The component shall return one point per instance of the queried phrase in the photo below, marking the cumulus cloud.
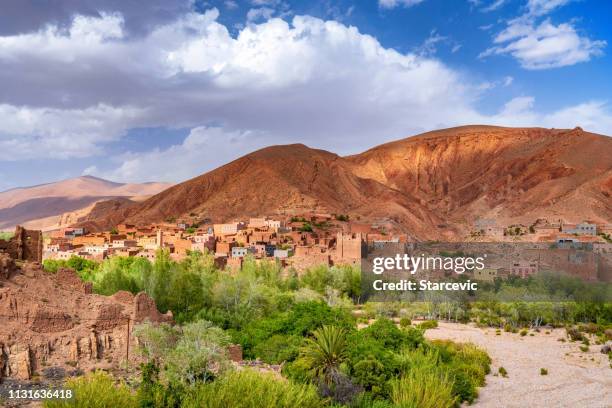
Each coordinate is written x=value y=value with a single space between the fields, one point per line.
x=308 y=80
x=27 y=133
x=317 y=82
x=543 y=45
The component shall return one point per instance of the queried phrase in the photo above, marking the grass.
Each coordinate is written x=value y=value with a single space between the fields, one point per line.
x=249 y=388
x=584 y=348
x=543 y=371
x=503 y=372
x=96 y=390
x=423 y=387
x=428 y=324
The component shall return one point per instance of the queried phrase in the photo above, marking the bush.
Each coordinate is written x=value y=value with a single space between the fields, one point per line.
x=278 y=348
x=574 y=334
x=405 y=322
x=428 y=324
x=248 y=388
x=96 y=390
x=502 y=371
x=523 y=332
x=543 y=371
x=423 y=388
x=584 y=348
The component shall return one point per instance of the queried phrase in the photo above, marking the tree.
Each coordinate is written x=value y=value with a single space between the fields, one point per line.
x=325 y=351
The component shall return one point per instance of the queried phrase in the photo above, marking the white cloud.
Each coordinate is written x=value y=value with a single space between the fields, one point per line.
x=230 y=4
x=200 y=151
x=261 y=13
x=318 y=82
x=390 y=4
x=494 y=6
x=545 y=46
x=430 y=45
x=594 y=116
x=60 y=133
x=543 y=7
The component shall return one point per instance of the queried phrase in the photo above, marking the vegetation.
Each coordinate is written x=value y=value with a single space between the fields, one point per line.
x=307 y=323
x=96 y=390
x=248 y=389
x=424 y=388
x=543 y=371
x=4 y=235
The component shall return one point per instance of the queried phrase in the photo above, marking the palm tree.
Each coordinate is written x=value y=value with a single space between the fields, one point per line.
x=325 y=351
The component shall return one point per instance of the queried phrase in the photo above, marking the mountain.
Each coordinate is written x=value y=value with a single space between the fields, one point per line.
x=508 y=174
x=49 y=206
x=432 y=185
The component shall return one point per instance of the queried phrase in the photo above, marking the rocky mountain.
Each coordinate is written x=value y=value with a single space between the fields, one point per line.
x=49 y=206
x=433 y=185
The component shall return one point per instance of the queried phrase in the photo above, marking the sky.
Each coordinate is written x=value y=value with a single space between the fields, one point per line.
x=166 y=90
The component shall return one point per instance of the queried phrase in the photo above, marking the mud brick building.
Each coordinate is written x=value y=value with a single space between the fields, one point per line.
x=25 y=245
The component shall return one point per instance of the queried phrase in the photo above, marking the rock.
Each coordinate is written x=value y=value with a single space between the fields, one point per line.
x=68 y=277
x=20 y=366
x=53 y=320
x=7 y=266
x=145 y=309
x=54 y=373
x=235 y=352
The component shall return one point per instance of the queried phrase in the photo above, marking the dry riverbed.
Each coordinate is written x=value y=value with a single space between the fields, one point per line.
x=575 y=378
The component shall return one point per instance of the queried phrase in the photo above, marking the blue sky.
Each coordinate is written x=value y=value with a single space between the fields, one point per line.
x=171 y=90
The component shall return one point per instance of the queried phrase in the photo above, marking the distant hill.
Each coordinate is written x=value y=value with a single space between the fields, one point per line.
x=49 y=206
x=433 y=185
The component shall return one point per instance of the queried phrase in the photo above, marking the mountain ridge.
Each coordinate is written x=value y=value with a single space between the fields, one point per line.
x=43 y=206
x=434 y=184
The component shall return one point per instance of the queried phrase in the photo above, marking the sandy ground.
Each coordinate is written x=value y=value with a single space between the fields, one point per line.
x=575 y=378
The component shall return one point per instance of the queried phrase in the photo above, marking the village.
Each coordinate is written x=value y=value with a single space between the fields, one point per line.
x=310 y=240
x=298 y=242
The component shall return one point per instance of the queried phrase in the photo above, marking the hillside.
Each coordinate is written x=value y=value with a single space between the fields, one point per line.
x=508 y=174
x=434 y=185
x=52 y=205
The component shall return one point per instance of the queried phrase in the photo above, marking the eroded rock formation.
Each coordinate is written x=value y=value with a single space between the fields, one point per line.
x=54 y=320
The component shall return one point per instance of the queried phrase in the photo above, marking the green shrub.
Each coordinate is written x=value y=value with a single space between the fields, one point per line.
x=428 y=324
x=523 y=332
x=574 y=334
x=96 y=390
x=502 y=371
x=584 y=348
x=248 y=388
x=278 y=348
x=405 y=322
x=543 y=371
x=463 y=384
x=423 y=388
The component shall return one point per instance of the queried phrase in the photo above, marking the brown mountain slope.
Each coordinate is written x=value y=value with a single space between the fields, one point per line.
x=435 y=183
x=288 y=179
x=45 y=206
x=510 y=174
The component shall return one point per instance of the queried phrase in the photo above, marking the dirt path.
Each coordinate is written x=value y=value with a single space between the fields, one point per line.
x=575 y=378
